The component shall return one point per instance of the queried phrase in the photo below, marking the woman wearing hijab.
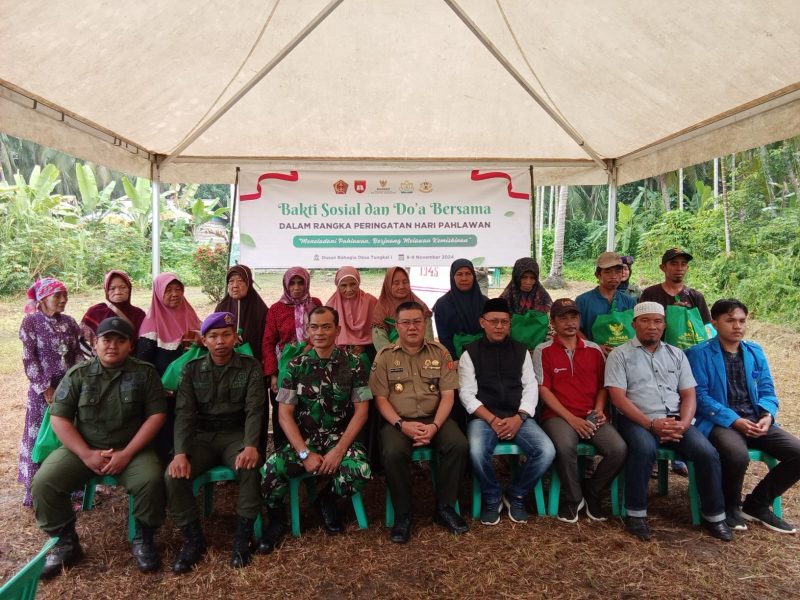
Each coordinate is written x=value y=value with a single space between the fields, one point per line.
x=525 y=292
x=169 y=326
x=118 y=288
x=626 y=287
x=396 y=290
x=242 y=300
x=355 y=307
x=459 y=310
x=286 y=324
x=50 y=347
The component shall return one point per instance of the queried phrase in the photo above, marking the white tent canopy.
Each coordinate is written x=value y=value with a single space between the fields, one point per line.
x=186 y=90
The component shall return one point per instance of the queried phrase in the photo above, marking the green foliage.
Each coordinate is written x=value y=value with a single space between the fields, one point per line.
x=212 y=264
x=140 y=196
x=96 y=204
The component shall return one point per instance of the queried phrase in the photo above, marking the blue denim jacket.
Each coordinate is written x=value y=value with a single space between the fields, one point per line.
x=708 y=368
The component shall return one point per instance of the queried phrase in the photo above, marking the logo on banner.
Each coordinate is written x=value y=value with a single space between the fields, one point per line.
x=360 y=185
x=340 y=187
x=383 y=187
x=406 y=187
x=425 y=187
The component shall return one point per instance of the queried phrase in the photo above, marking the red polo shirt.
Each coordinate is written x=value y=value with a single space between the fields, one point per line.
x=574 y=380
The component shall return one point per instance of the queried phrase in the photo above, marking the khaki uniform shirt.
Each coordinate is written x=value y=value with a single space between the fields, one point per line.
x=215 y=398
x=413 y=382
x=108 y=406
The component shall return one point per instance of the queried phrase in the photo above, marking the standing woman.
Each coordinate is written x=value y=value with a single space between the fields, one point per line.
x=50 y=347
x=242 y=300
x=525 y=292
x=627 y=286
x=118 y=288
x=286 y=324
x=396 y=290
x=459 y=310
x=355 y=307
x=170 y=324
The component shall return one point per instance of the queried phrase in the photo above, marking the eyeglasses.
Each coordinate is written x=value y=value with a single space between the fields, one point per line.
x=498 y=322
x=410 y=322
x=326 y=327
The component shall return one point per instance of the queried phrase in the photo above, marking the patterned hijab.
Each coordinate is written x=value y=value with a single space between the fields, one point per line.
x=167 y=325
x=355 y=314
x=250 y=311
x=302 y=306
x=387 y=303
x=44 y=287
x=521 y=302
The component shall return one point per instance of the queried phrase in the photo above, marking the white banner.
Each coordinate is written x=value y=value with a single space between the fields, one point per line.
x=380 y=219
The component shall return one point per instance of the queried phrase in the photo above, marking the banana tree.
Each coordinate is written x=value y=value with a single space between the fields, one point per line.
x=96 y=204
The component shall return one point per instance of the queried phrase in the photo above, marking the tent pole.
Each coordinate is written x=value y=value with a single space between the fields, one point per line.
x=155 y=229
x=234 y=198
x=612 y=209
x=534 y=214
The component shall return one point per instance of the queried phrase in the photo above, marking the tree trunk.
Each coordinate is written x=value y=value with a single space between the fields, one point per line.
x=725 y=208
x=762 y=153
x=680 y=189
x=662 y=183
x=550 y=210
x=554 y=279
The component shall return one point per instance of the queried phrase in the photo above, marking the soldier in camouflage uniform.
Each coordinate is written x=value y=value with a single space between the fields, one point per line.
x=322 y=388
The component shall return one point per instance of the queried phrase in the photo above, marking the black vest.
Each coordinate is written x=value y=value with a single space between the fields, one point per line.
x=498 y=371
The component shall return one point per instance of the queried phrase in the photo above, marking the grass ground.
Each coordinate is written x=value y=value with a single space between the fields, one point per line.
x=544 y=558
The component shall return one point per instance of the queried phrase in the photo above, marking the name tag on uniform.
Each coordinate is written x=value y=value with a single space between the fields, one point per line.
x=396 y=370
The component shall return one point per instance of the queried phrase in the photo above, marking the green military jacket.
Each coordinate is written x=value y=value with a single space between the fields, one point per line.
x=108 y=406
x=220 y=398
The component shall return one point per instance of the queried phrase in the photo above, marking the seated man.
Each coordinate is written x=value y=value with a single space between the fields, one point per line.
x=322 y=388
x=736 y=409
x=498 y=390
x=219 y=411
x=413 y=382
x=106 y=412
x=570 y=371
x=651 y=384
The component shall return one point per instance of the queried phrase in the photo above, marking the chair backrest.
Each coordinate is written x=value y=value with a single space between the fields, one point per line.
x=22 y=586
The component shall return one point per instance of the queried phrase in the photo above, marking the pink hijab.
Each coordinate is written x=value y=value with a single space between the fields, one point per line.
x=302 y=306
x=355 y=314
x=167 y=325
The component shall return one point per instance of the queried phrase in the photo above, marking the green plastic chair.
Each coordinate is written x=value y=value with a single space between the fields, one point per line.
x=108 y=480
x=584 y=451
x=422 y=453
x=206 y=481
x=294 y=501
x=664 y=455
x=23 y=585
x=506 y=449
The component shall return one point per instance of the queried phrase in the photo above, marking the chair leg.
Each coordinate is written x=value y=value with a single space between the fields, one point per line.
x=131 y=519
x=88 y=495
x=476 y=498
x=358 y=508
x=294 y=505
x=555 y=492
x=663 y=476
x=389 y=509
x=258 y=527
x=208 y=498
x=538 y=492
x=615 y=503
x=694 y=496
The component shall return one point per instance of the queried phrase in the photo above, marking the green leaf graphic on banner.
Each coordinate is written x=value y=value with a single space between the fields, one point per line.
x=478 y=261
x=247 y=240
x=509 y=214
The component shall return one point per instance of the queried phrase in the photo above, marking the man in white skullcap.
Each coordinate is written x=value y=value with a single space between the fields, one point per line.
x=651 y=384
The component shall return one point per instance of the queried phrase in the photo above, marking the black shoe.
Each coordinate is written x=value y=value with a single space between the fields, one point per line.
x=766 y=517
x=638 y=526
x=193 y=549
x=569 y=511
x=447 y=517
x=594 y=508
x=734 y=518
x=240 y=555
x=328 y=512
x=717 y=529
x=65 y=553
x=275 y=532
x=144 y=550
x=401 y=532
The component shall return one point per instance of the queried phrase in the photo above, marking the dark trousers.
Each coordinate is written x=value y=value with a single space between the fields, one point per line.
x=450 y=448
x=606 y=441
x=732 y=447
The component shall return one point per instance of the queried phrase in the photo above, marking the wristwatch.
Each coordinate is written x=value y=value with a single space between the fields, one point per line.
x=303 y=454
x=523 y=415
x=399 y=425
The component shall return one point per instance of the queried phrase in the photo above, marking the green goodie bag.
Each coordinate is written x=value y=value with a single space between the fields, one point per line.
x=46 y=440
x=613 y=329
x=462 y=340
x=685 y=327
x=391 y=329
x=530 y=329
x=289 y=352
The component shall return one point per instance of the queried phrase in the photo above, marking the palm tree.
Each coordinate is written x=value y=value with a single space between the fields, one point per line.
x=555 y=279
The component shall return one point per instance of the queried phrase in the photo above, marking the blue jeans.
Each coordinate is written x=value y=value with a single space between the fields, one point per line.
x=694 y=446
x=530 y=438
